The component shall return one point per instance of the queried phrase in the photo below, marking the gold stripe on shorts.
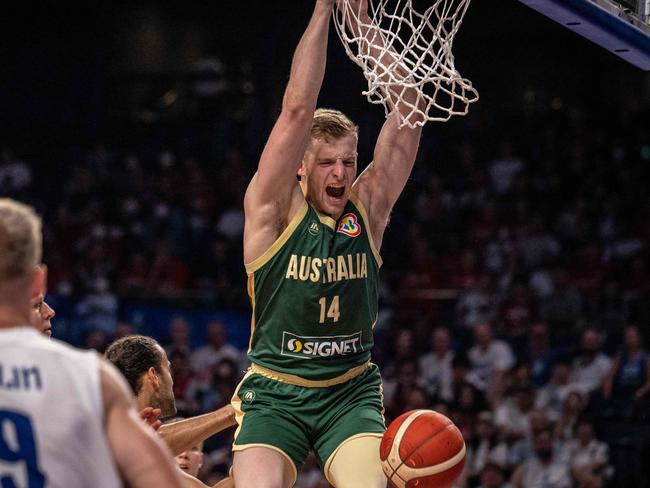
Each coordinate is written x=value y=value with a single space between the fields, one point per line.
x=299 y=381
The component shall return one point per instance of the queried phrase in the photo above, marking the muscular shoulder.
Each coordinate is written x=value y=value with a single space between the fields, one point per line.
x=265 y=221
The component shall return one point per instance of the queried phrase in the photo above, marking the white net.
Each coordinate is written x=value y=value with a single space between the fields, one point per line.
x=406 y=56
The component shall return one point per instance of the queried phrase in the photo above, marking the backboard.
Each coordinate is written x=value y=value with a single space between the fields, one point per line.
x=620 y=26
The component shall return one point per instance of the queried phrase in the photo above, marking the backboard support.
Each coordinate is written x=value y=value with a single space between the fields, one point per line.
x=620 y=26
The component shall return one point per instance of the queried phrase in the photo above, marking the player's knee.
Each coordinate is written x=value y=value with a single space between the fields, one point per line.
x=356 y=464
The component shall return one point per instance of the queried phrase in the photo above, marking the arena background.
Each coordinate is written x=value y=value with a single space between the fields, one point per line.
x=134 y=127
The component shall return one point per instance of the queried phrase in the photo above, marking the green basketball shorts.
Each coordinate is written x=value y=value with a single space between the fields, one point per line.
x=272 y=412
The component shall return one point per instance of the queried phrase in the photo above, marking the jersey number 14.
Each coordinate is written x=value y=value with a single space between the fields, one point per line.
x=332 y=311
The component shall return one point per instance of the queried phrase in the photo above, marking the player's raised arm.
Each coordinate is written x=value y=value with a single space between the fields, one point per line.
x=141 y=457
x=186 y=433
x=270 y=193
x=381 y=184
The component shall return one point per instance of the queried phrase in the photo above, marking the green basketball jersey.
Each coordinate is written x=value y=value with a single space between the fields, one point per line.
x=314 y=294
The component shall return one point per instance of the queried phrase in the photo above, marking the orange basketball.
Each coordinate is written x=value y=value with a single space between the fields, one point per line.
x=422 y=449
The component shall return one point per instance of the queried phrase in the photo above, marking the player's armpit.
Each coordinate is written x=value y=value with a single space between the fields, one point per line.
x=182 y=435
x=141 y=457
x=383 y=181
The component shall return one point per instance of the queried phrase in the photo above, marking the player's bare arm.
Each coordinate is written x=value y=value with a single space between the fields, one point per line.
x=190 y=481
x=141 y=456
x=273 y=195
x=184 y=434
x=381 y=184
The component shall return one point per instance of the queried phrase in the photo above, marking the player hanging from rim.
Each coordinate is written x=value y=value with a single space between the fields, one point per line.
x=67 y=416
x=311 y=249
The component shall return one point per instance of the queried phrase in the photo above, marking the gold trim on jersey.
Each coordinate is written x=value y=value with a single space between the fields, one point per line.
x=299 y=381
x=235 y=401
x=279 y=242
x=364 y=215
x=326 y=220
x=251 y=294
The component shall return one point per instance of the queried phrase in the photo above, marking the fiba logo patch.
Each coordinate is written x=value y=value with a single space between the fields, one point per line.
x=349 y=225
x=313 y=228
x=248 y=396
x=294 y=345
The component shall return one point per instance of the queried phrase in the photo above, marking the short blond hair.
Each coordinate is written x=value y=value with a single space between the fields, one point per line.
x=332 y=124
x=21 y=240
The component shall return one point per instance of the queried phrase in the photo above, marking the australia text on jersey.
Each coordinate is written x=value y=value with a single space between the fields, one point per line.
x=327 y=270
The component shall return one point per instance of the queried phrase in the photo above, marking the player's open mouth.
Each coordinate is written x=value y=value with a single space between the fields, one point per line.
x=184 y=467
x=335 y=191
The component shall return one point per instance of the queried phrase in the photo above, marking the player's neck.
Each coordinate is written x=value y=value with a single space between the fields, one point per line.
x=319 y=211
x=10 y=317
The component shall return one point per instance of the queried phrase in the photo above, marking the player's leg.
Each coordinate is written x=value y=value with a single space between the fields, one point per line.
x=351 y=429
x=263 y=467
x=356 y=463
x=270 y=443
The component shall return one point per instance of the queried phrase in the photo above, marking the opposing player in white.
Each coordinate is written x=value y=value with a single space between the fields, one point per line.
x=67 y=419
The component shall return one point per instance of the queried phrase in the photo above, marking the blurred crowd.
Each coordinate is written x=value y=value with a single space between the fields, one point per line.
x=515 y=294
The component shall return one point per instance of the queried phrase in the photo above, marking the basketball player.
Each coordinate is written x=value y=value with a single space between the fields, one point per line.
x=41 y=314
x=144 y=364
x=311 y=253
x=66 y=416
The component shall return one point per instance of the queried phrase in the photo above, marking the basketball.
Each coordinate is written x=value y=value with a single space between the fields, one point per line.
x=422 y=449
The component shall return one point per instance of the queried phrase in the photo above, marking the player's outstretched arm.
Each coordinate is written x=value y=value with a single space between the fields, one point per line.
x=381 y=184
x=272 y=189
x=182 y=435
x=141 y=457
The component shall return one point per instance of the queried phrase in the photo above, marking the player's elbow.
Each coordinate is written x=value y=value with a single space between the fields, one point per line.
x=297 y=108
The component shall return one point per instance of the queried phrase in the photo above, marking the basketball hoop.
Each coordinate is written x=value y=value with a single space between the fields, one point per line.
x=403 y=51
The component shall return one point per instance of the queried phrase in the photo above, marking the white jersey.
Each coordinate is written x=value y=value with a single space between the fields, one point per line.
x=51 y=415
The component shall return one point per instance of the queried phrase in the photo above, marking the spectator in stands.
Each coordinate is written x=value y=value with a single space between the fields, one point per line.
x=522 y=449
x=511 y=416
x=587 y=456
x=489 y=359
x=591 y=366
x=515 y=315
x=552 y=396
x=476 y=304
x=485 y=448
x=398 y=387
x=562 y=307
x=436 y=366
x=539 y=354
x=493 y=476
x=206 y=357
x=179 y=337
x=182 y=375
x=573 y=408
x=544 y=469
x=628 y=380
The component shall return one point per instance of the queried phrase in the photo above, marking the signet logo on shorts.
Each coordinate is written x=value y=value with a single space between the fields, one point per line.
x=349 y=225
x=248 y=396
